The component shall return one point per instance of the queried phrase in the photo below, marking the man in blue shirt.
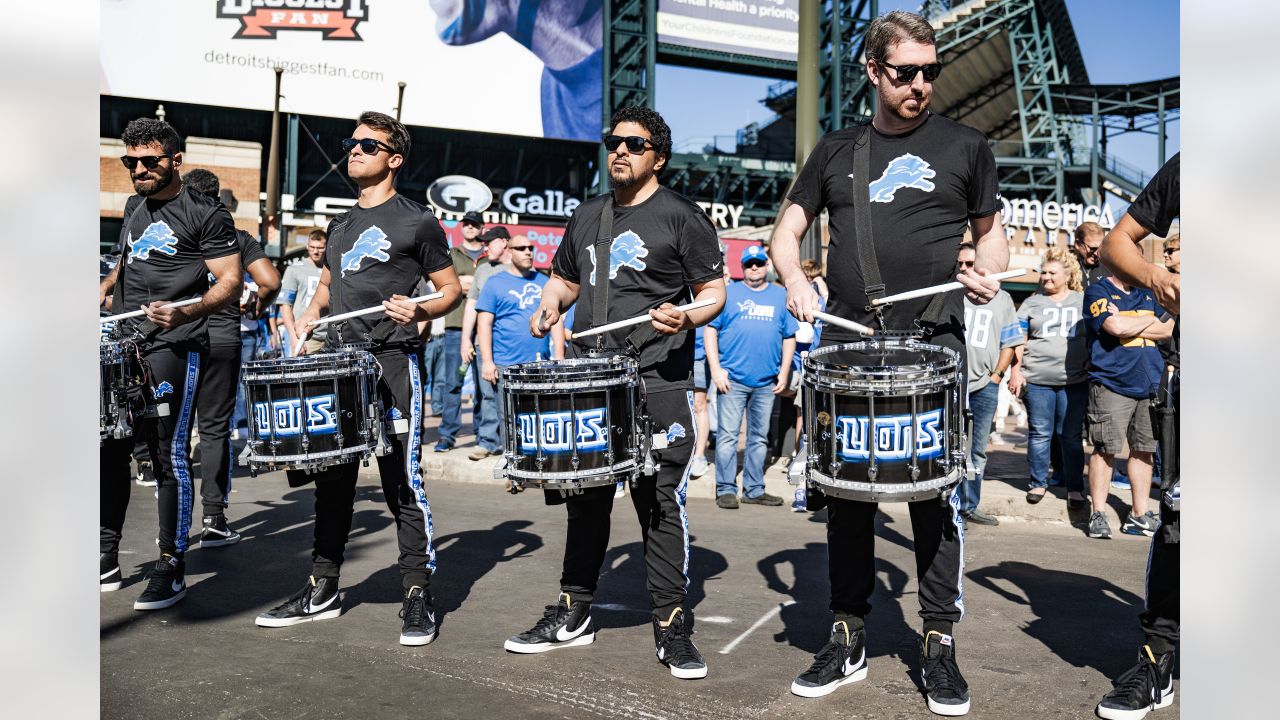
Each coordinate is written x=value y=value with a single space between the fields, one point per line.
x=749 y=348
x=503 y=311
x=1125 y=369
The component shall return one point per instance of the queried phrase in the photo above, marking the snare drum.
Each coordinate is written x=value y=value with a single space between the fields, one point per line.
x=883 y=420
x=571 y=424
x=117 y=412
x=313 y=411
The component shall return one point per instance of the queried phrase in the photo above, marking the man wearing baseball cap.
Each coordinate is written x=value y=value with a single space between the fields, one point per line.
x=446 y=378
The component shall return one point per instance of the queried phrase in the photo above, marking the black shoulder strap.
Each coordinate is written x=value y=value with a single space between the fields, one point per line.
x=603 y=249
x=862 y=215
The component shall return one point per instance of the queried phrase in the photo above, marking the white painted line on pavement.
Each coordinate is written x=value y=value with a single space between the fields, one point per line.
x=716 y=619
x=767 y=616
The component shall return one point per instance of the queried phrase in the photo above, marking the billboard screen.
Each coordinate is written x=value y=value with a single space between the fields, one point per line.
x=764 y=28
x=488 y=67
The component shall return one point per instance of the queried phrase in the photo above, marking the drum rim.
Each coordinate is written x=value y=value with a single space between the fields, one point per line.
x=825 y=373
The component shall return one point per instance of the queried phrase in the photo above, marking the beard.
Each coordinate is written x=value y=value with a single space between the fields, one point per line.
x=626 y=181
x=147 y=187
x=900 y=108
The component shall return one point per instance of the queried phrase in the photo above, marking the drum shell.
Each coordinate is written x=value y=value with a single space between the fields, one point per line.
x=114 y=413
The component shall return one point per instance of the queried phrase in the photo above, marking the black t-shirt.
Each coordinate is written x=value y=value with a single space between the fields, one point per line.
x=660 y=248
x=224 y=325
x=925 y=186
x=378 y=252
x=166 y=244
x=1154 y=209
x=1090 y=275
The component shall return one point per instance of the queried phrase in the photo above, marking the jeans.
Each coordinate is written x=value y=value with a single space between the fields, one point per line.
x=757 y=402
x=982 y=403
x=433 y=360
x=248 y=351
x=447 y=385
x=1056 y=409
x=488 y=435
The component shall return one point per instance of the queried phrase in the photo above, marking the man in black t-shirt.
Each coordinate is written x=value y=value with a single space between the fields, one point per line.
x=174 y=238
x=1088 y=240
x=221 y=378
x=378 y=253
x=1149 y=684
x=663 y=251
x=929 y=179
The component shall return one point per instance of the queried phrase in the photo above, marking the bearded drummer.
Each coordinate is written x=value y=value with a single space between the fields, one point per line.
x=377 y=253
x=661 y=250
x=924 y=181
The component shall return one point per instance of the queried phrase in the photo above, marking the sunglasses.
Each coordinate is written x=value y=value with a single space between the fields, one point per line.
x=753 y=264
x=635 y=143
x=1170 y=251
x=150 y=162
x=520 y=248
x=965 y=263
x=368 y=146
x=907 y=73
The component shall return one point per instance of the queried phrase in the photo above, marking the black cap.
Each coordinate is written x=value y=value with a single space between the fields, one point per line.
x=497 y=232
x=474 y=218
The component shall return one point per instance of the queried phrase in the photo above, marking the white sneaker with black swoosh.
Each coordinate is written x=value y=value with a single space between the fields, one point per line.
x=565 y=624
x=317 y=600
x=166 y=585
x=841 y=661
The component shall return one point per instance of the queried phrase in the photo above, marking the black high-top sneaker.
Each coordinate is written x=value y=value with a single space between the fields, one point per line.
x=418 y=617
x=109 y=575
x=317 y=600
x=841 y=661
x=166 y=586
x=565 y=624
x=1142 y=688
x=215 y=532
x=944 y=686
x=675 y=647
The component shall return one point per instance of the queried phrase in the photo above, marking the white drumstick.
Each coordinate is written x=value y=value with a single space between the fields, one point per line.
x=945 y=287
x=140 y=313
x=846 y=324
x=638 y=320
x=357 y=313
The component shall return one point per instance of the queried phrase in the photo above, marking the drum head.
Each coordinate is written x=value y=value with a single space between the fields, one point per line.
x=869 y=355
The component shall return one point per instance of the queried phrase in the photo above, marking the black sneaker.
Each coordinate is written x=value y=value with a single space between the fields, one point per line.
x=565 y=624
x=317 y=600
x=841 y=661
x=1144 y=525
x=763 y=499
x=166 y=586
x=977 y=517
x=675 y=649
x=1144 y=687
x=944 y=686
x=727 y=501
x=418 y=615
x=216 y=532
x=1098 y=526
x=146 y=475
x=109 y=575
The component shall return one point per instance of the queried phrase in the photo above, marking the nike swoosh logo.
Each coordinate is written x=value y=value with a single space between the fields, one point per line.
x=562 y=635
x=327 y=603
x=716 y=266
x=107 y=574
x=177 y=585
x=850 y=666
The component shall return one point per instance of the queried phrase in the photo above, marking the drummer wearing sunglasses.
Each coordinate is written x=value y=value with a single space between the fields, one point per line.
x=928 y=181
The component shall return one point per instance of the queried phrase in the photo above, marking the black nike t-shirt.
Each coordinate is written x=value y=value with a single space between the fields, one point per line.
x=1154 y=209
x=378 y=252
x=224 y=325
x=925 y=187
x=660 y=248
x=165 y=246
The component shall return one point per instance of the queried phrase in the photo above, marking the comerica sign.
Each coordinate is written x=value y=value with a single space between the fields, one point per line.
x=1020 y=212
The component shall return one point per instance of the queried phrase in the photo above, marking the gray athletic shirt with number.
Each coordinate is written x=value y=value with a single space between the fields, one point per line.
x=1057 y=349
x=988 y=329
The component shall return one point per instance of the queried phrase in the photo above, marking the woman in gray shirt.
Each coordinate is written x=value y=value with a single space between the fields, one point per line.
x=1052 y=368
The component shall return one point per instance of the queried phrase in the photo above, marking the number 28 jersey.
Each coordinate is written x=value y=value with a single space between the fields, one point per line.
x=1057 y=345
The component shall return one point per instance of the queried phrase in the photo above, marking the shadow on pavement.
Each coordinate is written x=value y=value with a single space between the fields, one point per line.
x=472 y=554
x=623 y=584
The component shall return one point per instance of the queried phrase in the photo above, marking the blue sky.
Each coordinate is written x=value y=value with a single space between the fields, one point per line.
x=1122 y=42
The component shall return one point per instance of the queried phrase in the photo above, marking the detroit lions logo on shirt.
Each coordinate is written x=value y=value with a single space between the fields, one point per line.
x=371 y=244
x=755 y=312
x=675 y=431
x=627 y=250
x=162 y=389
x=904 y=171
x=158 y=236
x=528 y=296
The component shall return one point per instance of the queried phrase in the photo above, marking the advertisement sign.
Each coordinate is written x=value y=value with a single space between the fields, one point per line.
x=545 y=238
x=763 y=28
x=512 y=68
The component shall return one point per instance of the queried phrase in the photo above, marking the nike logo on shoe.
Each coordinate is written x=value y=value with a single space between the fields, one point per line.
x=316 y=608
x=563 y=634
x=850 y=665
x=177 y=586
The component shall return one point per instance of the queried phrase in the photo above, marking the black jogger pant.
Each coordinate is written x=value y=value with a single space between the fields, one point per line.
x=115 y=484
x=402 y=483
x=213 y=417
x=659 y=502
x=1163 y=609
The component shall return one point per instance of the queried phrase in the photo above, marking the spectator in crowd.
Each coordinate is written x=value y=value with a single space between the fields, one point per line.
x=1173 y=254
x=497 y=259
x=1008 y=403
x=749 y=348
x=1051 y=375
x=813 y=271
x=1125 y=370
x=448 y=369
x=698 y=467
x=991 y=333
x=504 y=310
x=1088 y=238
x=298 y=287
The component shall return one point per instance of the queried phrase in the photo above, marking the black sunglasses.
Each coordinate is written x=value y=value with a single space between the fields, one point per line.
x=635 y=143
x=1170 y=251
x=520 y=248
x=907 y=73
x=368 y=146
x=150 y=162
x=754 y=263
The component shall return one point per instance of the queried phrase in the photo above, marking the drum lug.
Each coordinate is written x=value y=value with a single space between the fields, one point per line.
x=914 y=471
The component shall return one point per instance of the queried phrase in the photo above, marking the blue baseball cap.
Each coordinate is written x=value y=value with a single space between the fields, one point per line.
x=754 y=252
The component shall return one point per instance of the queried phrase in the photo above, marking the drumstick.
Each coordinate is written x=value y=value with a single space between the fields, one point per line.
x=945 y=287
x=140 y=313
x=358 y=313
x=638 y=320
x=846 y=324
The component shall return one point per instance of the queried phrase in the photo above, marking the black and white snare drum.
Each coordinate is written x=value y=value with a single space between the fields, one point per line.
x=313 y=411
x=883 y=420
x=572 y=424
